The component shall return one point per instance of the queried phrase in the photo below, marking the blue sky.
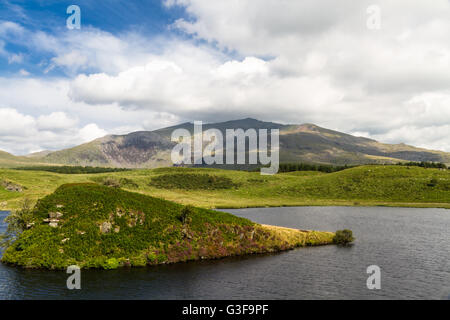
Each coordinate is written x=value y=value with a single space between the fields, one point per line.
x=149 y=17
x=142 y=65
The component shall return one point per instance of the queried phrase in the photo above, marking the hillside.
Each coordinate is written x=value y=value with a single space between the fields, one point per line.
x=8 y=160
x=214 y=188
x=94 y=226
x=298 y=143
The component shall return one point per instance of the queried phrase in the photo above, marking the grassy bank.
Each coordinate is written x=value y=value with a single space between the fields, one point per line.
x=214 y=188
x=95 y=226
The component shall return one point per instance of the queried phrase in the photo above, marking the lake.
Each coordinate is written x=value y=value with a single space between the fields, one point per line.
x=411 y=247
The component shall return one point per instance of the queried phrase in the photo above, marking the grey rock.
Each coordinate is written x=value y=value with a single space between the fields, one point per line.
x=105 y=227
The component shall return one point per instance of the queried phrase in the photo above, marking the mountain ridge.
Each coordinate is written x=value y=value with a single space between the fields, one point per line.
x=298 y=143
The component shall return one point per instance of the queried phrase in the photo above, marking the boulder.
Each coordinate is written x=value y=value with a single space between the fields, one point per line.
x=55 y=215
x=105 y=227
x=8 y=185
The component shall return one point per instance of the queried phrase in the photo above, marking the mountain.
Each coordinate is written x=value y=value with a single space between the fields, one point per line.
x=298 y=143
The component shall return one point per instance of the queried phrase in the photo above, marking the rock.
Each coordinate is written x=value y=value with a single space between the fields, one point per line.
x=53 y=215
x=59 y=206
x=53 y=224
x=64 y=240
x=4 y=204
x=8 y=185
x=105 y=227
x=29 y=225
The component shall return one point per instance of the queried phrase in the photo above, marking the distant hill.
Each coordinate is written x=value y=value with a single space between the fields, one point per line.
x=8 y=160
x=298 y=143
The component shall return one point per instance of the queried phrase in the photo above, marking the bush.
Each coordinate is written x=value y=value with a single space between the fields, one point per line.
x=192 y=181
x=111 y=263
x=186 y=214
x=433 y=182
x=18 y=221
x=343 y=237
x=116 y=183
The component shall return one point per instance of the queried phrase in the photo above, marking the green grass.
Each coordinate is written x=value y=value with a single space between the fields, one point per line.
x=192 y=181
x=143 y=230
x=71 y=169
x=366 y=185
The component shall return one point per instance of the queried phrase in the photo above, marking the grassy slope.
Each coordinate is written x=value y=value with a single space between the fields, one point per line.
x=8 y=160
x=366 y=185
x=144 y=230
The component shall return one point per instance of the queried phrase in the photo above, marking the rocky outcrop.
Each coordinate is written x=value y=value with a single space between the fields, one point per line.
x=13 y=187
x=53 y=219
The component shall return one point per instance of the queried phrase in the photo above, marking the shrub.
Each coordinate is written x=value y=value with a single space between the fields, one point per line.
x=433 y=182
x=111 y=263
x=343 y=237
x=18 y=221
x=192 y=181
x=116 y=183
x=110 y=182
x=186 y=213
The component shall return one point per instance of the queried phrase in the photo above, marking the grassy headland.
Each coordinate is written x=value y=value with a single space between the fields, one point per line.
x=214 y=188
x=95 y=226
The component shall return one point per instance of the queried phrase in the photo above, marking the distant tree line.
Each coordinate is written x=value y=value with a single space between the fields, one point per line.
x=424 y=164
x=72 y=169
x=289 y=167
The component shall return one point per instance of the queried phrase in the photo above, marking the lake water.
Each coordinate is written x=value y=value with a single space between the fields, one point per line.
x=411 y=247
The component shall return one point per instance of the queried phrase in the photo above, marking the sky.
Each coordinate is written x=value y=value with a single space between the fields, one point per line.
x=378 y=69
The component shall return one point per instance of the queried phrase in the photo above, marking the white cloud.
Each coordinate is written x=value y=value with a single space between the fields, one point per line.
x=289 y=61
x=15 y=58
x=90 y=132
x=55 y=121
x=23 y=73
x=23 y=134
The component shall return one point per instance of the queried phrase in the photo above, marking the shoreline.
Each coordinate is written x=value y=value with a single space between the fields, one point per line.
x=418 y=205
x=290 y=239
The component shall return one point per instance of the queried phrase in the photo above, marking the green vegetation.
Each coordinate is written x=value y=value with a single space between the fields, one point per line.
x=343 y=237
x=18 y=221
x=72 y=169
x=289 y=167
x=192 y=181
x=96 y=226
x=423 y=164
x=116 y=182
x=364 y=185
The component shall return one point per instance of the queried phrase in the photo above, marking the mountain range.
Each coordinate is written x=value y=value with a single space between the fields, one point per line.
x=298 y=143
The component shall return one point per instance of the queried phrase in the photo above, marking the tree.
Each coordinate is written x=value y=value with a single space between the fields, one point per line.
x=18 y=221
x=186 y=213
x=343 y=237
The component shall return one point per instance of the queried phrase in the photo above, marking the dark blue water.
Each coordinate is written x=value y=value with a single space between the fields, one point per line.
x=411 y=247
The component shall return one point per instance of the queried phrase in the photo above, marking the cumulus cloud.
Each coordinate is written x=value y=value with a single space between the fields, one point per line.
x=22 y=134
x=37 y=114
x=288 y=61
